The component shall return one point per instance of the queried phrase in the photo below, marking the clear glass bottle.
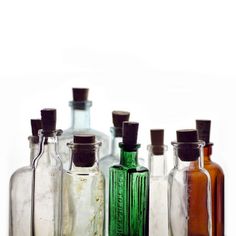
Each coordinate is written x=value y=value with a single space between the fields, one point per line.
x=47 y=180
x=189 y=188
x=80 y=124
x=158 y=197
x=128 y=189
x=113 y=158
x=217 y=179
x=20 y=189
x=83 y=205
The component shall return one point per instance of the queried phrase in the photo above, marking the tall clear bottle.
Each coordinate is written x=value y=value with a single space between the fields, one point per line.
x=118 y=117
x=217 y=179
x=128 y=189
x=20 y=189
x=80 y=124
x=47 y=174
x=158 y=198
x=189 y=188
x=83 y=210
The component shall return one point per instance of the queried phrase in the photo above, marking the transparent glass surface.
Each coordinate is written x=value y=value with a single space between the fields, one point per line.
x=217 y=192
x=47 y=189
x=128 y=197
x=80 y=124
x=189 y=195
x=83 y=205
x=158 y=198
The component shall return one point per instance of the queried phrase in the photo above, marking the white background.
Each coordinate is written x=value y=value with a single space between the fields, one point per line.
x=167 y=62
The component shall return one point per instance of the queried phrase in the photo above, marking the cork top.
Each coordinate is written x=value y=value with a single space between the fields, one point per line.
x=80 y=94
x=187 y=135
x=157 y=141
x=48 y=117
x=36 y=125
x=118 y=117
x=84 y=138
x=204 y=127
x=130 y=133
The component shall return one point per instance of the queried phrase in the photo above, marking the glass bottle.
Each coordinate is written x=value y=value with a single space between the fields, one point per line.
x=217 y=179
x=158 y=198
x=128 y=189
x=113 y=158
x=80 y=124
x=47 y=174
x=189 y=188
x=83 y=206
x=20 y=189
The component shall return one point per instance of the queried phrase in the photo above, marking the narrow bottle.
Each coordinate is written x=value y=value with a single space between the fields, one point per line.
x=118 y=117
x=189 y=188
x=20 y=189
x=217 y=179
x=80 y=124
x=128 y=189
x=47 y=173
x=158 y=198
x=83 y=205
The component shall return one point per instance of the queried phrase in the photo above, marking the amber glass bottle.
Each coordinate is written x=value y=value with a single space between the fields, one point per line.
x=217 y=179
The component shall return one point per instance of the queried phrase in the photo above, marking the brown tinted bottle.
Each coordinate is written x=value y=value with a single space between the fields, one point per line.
x=217 y=179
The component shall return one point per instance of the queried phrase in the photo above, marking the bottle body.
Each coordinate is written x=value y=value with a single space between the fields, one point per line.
x=189 y=196
x=84 y=203
x=128 y=197
x=217 y=192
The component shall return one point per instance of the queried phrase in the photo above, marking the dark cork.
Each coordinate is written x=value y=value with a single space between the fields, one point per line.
x=36 y=125
x=130 y=133
x=204 y=127
x=157 y=141
x=48 y=118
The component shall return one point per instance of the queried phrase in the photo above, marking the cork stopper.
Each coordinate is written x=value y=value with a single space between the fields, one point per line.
x=118 y=117
x=130 y=133
x=157 y=141
x=48 y=117
x=36 y=125
x=84 y=154
x=204 y=127
x=187 y=150
x=80 y=94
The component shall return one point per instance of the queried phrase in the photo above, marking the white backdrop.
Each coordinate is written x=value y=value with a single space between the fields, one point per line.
x=167 y=62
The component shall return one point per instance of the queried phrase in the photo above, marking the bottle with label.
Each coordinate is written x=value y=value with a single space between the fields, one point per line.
x=80 y=124
x=20 y=189
x=217 y=178
x=47 y=176
x=113 y=158
x=83 y=205
x=128 y=189
x=189 y=188
x=158 y=197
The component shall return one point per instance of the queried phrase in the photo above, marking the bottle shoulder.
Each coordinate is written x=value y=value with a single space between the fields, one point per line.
x=213 y=167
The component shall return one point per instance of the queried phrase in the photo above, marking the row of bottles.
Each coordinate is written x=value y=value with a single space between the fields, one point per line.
x=78 y=188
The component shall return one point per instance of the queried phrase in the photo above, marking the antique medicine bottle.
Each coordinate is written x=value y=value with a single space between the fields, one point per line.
x=83 y=210
x=189 y=188
x=118 y=117
x=158 y=199
x=217 y=179
x=128 y=189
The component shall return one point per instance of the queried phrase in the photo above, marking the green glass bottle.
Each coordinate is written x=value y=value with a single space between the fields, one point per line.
x=128 y=189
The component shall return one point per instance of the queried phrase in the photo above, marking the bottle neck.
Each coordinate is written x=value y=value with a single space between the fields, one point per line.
x=34 y=147
x=207 y=151
x=129 y=155
x=116 y=138
x=80 y=119
x=188 y=165
x=157 y=160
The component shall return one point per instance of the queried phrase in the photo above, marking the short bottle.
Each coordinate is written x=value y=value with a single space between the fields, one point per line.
x=217 y=178
x=158 y=197
x=47 y=176
x=83 y=210
x=118 y=117
x=20 y=189
x=128 y=189
x=189 y=188
x=80 y=124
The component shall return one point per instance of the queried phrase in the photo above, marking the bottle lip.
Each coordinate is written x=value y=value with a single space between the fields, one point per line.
x=52 y=133
x=80 y=105
x=199 y=143
x=161 y=147
x=129 y=147
x=84 y=145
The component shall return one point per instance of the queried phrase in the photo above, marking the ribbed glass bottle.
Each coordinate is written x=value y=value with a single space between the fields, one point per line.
x=128 y=189
x=83 y=205
x=189 y=189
